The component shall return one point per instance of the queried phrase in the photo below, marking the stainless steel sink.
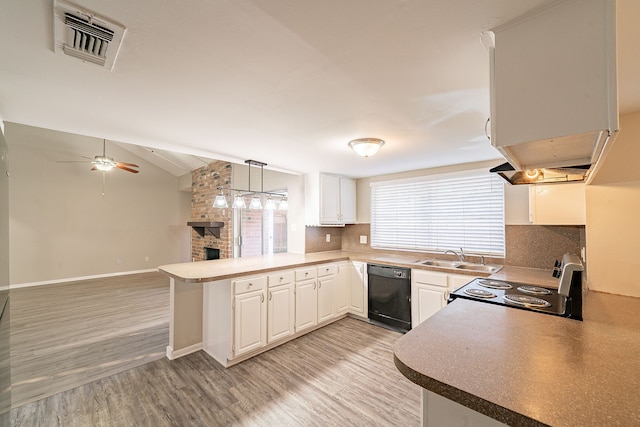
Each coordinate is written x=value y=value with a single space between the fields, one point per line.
x=440 y=263
x=479 y=267
x=458 y=265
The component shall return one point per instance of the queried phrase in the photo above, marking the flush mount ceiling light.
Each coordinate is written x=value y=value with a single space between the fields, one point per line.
x=256 y=196
x=366 y=147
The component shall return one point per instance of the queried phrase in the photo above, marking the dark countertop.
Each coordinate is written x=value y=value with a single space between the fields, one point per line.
x=528 y=369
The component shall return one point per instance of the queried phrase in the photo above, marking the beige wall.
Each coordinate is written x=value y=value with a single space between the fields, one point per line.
x=61 y=226
x=613 y=206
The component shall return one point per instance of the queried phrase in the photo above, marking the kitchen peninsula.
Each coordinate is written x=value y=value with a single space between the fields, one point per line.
x=190 y=280
x=527 y=369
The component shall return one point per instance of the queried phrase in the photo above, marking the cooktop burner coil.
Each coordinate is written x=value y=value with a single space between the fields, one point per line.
x=526 y=301
x=481 y=293
x=494 y=284
x=534 y=290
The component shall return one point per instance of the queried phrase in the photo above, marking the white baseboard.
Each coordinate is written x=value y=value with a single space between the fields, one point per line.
x=174 y=354
x=76 y=279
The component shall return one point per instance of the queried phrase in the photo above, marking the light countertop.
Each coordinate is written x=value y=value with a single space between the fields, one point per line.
x=219 y=269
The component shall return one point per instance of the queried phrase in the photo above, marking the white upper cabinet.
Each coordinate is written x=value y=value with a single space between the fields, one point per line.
x=553 y=84
x=557 y=204
x=330 y=199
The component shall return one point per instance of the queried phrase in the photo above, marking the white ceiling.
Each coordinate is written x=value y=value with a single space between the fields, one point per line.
x=285 y=82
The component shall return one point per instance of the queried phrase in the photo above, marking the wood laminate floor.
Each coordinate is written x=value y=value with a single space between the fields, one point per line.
x=340 y=375
x=69 y=334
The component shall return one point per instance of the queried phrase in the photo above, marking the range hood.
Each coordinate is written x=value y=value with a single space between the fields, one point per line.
x=554 y=90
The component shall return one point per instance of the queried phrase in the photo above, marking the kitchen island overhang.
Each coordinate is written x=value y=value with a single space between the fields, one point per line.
x=525 y=368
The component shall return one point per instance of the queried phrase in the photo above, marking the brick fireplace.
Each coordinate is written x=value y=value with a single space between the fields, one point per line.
x=205 y=180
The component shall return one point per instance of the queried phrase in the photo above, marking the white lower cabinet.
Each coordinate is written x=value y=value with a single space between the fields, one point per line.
x=280 y=306
x=327 y=285
x=247 y=315
x=341 y=288
x=358 y=288
x=250 y=315
x=430 y=291
x=428 y=294
x=306 y=299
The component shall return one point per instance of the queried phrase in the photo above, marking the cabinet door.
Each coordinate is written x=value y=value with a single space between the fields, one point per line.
x=557 y=204
x=326 y=298
x=250 y=320
x=357 y=286
x=430 y=300
x=348 y=200
x=341 y=288
x=330 y=199
x=280 y=315
x=306 y=305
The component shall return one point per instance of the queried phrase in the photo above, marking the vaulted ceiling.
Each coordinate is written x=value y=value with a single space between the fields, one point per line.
x=286 y=82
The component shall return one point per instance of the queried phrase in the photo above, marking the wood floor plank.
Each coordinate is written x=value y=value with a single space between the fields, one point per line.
x=65 y=335
x=340 y=375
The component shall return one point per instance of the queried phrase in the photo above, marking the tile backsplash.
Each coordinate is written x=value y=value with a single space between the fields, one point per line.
x=535 y=246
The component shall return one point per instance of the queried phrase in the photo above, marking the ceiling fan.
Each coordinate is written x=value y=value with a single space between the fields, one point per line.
x=104 y=163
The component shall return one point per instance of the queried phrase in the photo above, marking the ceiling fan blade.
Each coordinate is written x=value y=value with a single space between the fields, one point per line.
x=129 y=164
x=124 y=168
x=72 y=161
x=94 y=168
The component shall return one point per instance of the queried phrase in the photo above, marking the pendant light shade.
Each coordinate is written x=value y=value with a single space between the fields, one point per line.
x=366 y=147
x=220 y=200
x=272 y=197
x=238 y=203
x=255 y=202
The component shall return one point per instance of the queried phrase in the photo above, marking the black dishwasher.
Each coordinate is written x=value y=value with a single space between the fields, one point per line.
x=390 y=296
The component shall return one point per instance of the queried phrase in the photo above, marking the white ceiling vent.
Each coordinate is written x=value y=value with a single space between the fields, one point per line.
x=86 y=35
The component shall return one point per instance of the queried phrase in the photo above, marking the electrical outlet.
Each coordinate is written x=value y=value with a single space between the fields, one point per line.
x=363 y=240
x=328 y=238
x=146 y=259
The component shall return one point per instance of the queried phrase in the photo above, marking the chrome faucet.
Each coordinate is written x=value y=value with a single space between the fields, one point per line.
x=459 y=255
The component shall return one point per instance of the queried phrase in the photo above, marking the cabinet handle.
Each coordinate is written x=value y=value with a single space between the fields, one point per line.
x=281 y=279
x=270 y=295
x=261 y=297
x=319 y=285
x=314 y=285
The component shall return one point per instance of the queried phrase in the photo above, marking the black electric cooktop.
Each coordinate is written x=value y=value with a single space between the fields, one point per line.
x=512 y=294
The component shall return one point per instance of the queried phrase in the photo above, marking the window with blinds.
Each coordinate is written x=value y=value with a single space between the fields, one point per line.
x=439 y=213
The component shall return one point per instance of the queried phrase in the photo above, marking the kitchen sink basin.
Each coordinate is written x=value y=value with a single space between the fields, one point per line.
x=479 y=267
x=440 y=263
x=459 y=265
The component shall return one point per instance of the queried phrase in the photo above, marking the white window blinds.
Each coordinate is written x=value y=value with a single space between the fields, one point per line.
x=436 y=214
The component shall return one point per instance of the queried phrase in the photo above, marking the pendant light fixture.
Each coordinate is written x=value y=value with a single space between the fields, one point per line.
x=366 y=147
x=256 y=196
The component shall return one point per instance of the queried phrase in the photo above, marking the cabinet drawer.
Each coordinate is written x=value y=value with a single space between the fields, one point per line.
x=328 y=269
x=429 y=277
x=249 y=285
x=307 y=273
x=280 y=278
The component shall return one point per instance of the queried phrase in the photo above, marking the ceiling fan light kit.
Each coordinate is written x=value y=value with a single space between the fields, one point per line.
x=256 y=196
x=366 y=147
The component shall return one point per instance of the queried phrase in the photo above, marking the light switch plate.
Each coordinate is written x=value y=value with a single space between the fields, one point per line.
x=328 y=238
x=363 y=240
